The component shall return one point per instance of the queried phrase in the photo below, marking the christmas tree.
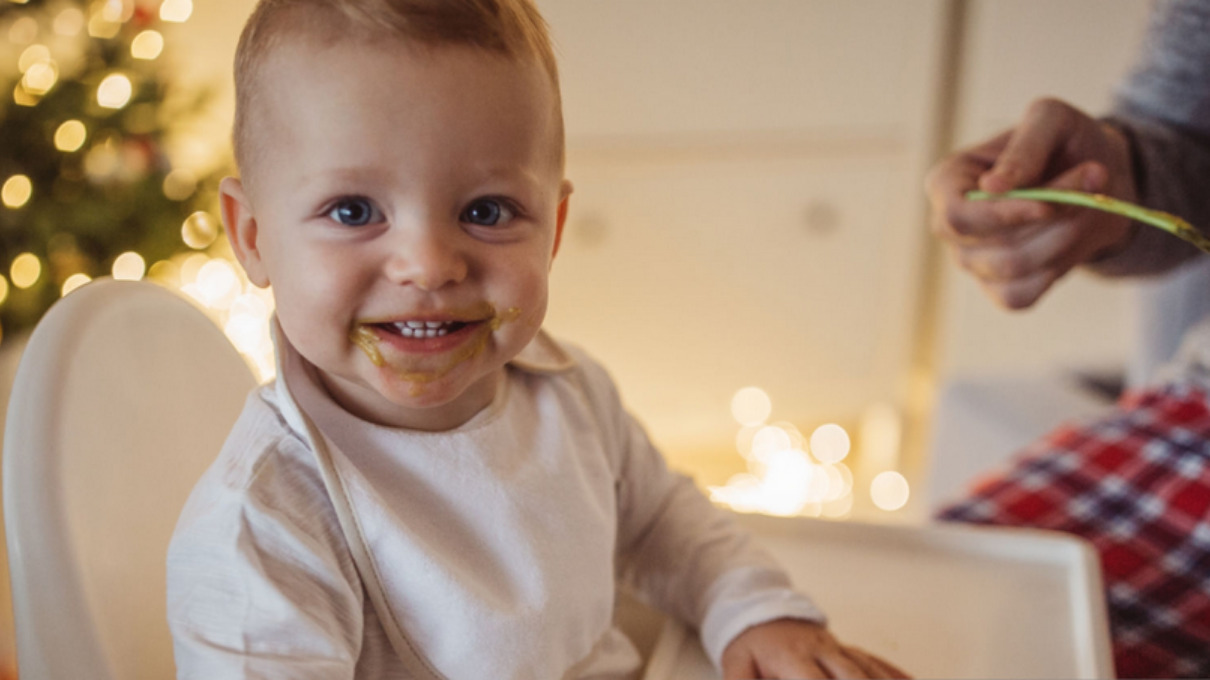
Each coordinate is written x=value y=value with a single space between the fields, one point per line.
x=86 y=186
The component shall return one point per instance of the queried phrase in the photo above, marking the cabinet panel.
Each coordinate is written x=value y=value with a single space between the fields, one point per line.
x=1018 y=51
x=639 y=67
x=696 y=277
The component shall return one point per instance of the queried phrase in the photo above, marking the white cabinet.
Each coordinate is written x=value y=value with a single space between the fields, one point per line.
x=694 y=277
x=707 y=67
x=748 y=207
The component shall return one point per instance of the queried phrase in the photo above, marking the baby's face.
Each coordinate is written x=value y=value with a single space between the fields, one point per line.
x=404 y=203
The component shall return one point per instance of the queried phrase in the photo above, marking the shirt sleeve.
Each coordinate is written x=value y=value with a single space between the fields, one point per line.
x=260 y=584
x=1163 y=107
x=684 y=556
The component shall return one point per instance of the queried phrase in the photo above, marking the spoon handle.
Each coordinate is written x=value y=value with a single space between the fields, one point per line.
x=1166 y=221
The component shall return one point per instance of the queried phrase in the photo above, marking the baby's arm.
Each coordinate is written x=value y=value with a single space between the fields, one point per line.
x=690 y=559
x=259 y=583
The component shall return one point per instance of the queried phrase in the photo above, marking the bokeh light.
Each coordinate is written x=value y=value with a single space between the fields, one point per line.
x=830 y=443
x=25 y=270
x=199 y=230
x=147 y=45
x=115 y=91
x=751 y=406
x=216 y=285
x=790 y=482
x=129 y=266
x=166 y=272
x=889 y=490
x=176 y=10
x=73 y=282
x=191 y=265
x=23 y=97
x=769 y=440
x=70 y=136
x=40 y=77
x=69 y=22
x=178 y=186
x=32 y=55
x=101 y=27
x=117 y=11
x=16 y=191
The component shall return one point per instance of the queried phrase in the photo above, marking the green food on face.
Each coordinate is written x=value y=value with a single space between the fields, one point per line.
x=1168 y=222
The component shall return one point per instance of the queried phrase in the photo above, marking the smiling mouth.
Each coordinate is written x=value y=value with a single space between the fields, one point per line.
x=418 y=337
x=422 y=329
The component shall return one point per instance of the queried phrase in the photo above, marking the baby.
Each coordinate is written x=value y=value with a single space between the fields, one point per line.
x=433 y=487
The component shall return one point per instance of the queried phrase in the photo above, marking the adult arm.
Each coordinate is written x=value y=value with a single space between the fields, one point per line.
x=1163 y=107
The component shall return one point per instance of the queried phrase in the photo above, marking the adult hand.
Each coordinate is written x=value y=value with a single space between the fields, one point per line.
x=791 y=648
x=1016 y=248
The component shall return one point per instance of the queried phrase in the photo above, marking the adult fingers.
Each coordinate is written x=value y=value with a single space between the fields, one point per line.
x=956 y=218
x=1054 y=246
x=1020 y=293
x=974 y=223
x=1045 y=128
x=952 y=177
x=1073 y=236
x=980 y=222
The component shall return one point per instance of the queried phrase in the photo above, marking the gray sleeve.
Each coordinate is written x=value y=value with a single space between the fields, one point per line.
x=1163 y=107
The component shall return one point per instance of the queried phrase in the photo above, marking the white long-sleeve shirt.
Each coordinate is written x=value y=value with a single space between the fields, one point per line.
x=498 y=544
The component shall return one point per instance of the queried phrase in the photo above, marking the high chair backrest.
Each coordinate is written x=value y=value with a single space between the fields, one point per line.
x=124 y=394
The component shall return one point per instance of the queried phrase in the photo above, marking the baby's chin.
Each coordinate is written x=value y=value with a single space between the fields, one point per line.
x=428 y=402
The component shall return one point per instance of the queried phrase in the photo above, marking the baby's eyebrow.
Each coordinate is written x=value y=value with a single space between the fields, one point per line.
x=344 y=176
x=509 y=173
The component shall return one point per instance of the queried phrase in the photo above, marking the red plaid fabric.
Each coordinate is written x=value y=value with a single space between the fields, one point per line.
x=1137 y=485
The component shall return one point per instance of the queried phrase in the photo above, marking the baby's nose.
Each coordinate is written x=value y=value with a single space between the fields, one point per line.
x=428 y=259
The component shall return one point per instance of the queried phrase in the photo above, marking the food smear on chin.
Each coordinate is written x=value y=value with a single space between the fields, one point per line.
x=364 y=337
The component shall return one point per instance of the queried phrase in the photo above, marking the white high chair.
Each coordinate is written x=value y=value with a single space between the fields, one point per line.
x=123 y=396
x=126 y=392
x=940 y=601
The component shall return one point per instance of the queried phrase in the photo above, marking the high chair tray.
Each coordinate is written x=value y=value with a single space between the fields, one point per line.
x=940 y=601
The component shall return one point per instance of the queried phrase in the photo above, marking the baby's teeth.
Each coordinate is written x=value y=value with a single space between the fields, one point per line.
x=422 y=329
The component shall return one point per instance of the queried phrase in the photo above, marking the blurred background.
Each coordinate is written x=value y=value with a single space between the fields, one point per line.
x=747 y=249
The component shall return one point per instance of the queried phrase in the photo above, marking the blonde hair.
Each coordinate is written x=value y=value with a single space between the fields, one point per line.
x=511 y=28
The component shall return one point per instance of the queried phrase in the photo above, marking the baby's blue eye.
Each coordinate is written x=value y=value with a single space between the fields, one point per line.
x=354 y=212
x=486 y=212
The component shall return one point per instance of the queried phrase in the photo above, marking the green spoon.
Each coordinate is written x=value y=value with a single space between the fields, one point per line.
x=1168 y=222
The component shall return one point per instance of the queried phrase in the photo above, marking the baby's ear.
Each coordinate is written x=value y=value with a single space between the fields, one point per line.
x=241 y=229
x=565 y=190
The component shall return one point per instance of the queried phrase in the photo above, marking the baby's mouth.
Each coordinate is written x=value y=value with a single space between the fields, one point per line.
x=422 y=329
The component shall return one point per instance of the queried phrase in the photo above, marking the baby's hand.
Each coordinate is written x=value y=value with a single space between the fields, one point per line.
x=792 y=648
